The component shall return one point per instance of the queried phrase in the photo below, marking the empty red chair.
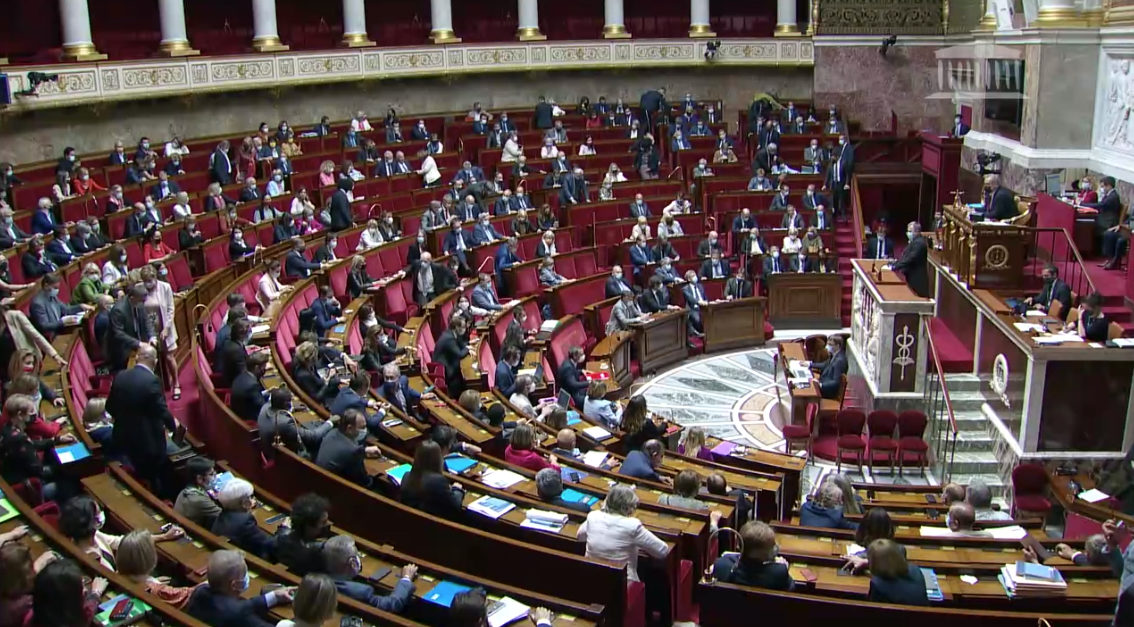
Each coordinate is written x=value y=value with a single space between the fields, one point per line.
x=849 y=423
x=911 y=429
x=804 y=432
x=1029 y=490
x=880 y=424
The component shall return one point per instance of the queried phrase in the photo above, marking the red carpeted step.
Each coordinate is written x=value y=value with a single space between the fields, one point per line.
x=955 y=355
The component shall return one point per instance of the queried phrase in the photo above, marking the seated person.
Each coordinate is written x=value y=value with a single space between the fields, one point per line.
x=221 y=602
x=549 y=485
x=760 y=182
x=344 y=566
x=521 y=450
x=1091 y=325
x=831 y=372
x=547 y=274
x=196 y=501
x=1054 y=290
x=237 y=523
x=951 y=493
x=642 y=463
x=980 y=497
x=300 y=548
x=759 y=565
x=425 y=487
x=961 y=519
x=597 y=407
x=342 y=453
x=824 y=509
x=686 y=486
x=792 y=243
x=892 y=578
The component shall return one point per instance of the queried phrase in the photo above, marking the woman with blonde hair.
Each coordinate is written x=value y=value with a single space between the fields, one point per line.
x=327 y=173
x=613 y=175
x=371 y=236
x=136 y=559
x=852 y=503
x=314 y=604
x=694 y=445
x=609 y=413
x=305 y=372
x=89 y=286
x=98 y=423
x=159 y=309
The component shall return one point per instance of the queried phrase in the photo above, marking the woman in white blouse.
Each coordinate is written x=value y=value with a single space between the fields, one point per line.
x=428 y=171
x=587 y=148
x=175 y=147
x=301 y=203
x=548 y=150
x=181 y=208
x=371 y=237
x=114 y=271
x=512 y=148
x=642 y=228
x=792 y=243
x=614 y=175
x=269 y=289
x=669 y=226
x=613 y=534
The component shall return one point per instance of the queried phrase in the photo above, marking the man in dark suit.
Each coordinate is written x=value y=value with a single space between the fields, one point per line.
x=248 y=394
x=913 y=263
x=655 y=298
x=549 y=486
x=164 y=188
x=327 y=310
x=1109 y=205
x=506 y=257
x=615 y=283
x=220 y=166
x=1001 y=203
x=960 y=129
x=340 y=205
x=141 y=418
x=219 y=602
x=237 y=523
x=738 y=286
x=639 y=208
x=342 y=453
x=543 y=116
x=59 y=249
x=694 y=294
x=386 y=167
x=506 y=371
x=651 y=107
x=839 y=174
x=709 y=244
x=469 y=174
x=831 y=371
x=570 y=376
x=773 y=263
x=296 y=264
x=450 y=349
x=354 y=396
x=879 y=245
x=47 y=311
x=714 y=267
x=640 y=255
x=457 y=241
x=129 y=327
x=1054 y=289
x=396 y=390
x=765 y=158
x=643 y=463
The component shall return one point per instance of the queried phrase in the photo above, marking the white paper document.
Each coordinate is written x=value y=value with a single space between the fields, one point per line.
x=501 y=479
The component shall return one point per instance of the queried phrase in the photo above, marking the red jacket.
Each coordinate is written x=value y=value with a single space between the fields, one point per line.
x=528 y=459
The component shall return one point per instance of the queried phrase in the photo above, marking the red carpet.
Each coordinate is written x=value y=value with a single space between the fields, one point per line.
x=1112 y=285
x=955 y=355
x=844 y=248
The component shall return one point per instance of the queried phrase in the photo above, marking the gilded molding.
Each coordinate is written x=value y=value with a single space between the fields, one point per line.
x=881 y=17
x=96 y=82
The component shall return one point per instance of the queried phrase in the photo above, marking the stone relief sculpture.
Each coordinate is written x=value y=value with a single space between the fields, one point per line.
x=1116 y=120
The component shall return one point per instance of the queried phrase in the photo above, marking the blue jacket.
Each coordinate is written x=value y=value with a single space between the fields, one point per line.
x=505 y=378
x=43 y=222
x=640 y=256
x=484 y=298
x=326 y=316
x=241 y=528
x=394 y=602
x=812 y=515
x=483 y=234
x=388 y=392
x=637 y=465
x=347 y=399
x=505 y=258
x=450 y=246
x=225 y=611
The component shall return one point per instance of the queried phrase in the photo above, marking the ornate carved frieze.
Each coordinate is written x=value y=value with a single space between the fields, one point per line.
x=881 y=17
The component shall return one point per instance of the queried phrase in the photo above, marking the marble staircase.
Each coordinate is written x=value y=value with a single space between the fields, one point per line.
x=977 y=438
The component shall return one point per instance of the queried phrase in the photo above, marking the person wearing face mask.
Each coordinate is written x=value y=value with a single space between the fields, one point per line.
x=269 y=288
x=695 y=298
x=22 y=456
x=343 y=450
x=457 y=241
x=8 y=181
x=344 y=566
x=158 y=306
x=773 y=263
x=237 y=247
x=35 y=262
x=10 y=232
x=81 y=519
x=569 y=376
x=155 y=250
x=189 y=235
x=1054 y=290
x=959 y=129
x=914 y=261
x=708 y=245
x=839 y=173
x=276 y=186
x=48 y=313
x=832 y=370
x=95 y=239
x=115 y=269
x=59 y=249
x=237 y=523
x=83 y=184
x=325 y=253
x=89 y=287
x=221 y=601
x=781 y=201
x=484 y=232
x=616 y=284
x=300 y=548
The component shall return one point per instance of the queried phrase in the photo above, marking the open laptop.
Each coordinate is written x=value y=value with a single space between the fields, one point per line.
x=564 y=399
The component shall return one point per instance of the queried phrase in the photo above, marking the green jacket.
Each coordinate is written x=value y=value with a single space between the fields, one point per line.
x=85 y=292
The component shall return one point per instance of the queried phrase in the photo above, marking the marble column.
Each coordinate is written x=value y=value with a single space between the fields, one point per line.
x=786 y=22
x=1058 y=14
x=354 y=25
x=174 y=39
x=441 y=15
x=76 y=22
x=265 y=37
x=613 y=25
x=528 y=13
x=699 y=19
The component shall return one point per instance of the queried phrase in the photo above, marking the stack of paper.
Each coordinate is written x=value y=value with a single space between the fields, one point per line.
x=544 y=520
x=1093 y=495
x=1123 y=342
x=491 y=507
x=594 y=459
x=501 y=479
x=1010 y=532
x=505 y=611
x=1028 y=579
x=598 y=433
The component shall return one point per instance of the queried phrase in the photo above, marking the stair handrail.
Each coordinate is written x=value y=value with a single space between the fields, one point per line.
x=1057 y=231
x=856 y=216
x=951 y=445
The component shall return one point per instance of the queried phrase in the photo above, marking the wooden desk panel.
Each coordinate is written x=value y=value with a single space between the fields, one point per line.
x=805 y=300
x=661 y=342
x=733 y=324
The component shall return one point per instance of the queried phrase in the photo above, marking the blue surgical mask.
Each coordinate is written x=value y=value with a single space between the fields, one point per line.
x=247 y=581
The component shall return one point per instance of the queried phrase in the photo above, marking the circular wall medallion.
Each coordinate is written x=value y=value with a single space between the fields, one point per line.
x=996 y=256
x=999 y=381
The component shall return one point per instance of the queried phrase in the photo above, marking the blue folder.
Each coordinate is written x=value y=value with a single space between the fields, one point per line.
x=573 y=417
x=397 y=473
x=443 y=593
x=575 y=496
x=458 y=464
x=339 y=328
x=77 y=451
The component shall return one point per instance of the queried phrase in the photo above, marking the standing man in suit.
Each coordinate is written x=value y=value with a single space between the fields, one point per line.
x=738 y=286
x=543 y=117
x=615 y=284
x=570 y=376
x=878 y=245
x=450 y=349
x=651 y=107
x=1109 y=205
x=914 y=260
x=765 y=158
x=340 y=205
x=47 y=311
x=960 y=129
x=220 y=166
x=1001 y=203
x=506 y=257
x=831 y=371
x=839 y=175
x=247 y=391
x=129 y=327
x=430 y=279
x=141 y=418
x=694 y=294
x=1054 y=289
